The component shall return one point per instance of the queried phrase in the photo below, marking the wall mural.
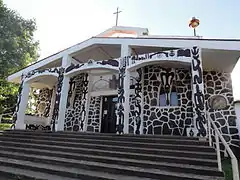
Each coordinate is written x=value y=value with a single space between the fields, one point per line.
x=93 y=124
x=75 y=116
x=198 y=94
x=166 y=120
x=219 y=83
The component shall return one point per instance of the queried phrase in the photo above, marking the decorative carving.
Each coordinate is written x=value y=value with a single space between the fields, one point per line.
x=58 y=97
x=198 y=93
x=138 y=99
x=37 y=127
x=83 y=113
x=161 y=54
x=39 y=71
x=111 y=62
x=121 y=98
x=218 y=102
x=165 y=78
x=18 y=103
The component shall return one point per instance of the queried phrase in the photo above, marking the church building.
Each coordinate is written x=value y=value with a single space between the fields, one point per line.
x=127 y=81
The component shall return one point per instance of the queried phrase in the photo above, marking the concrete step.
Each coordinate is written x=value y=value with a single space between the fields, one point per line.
x=96 y=135
x=112 y=170
x=75 y=138
x=13 y=173
x=80 y=142
x=62 y=150
x=72 y=162
x=64 y=172
x=173 y=152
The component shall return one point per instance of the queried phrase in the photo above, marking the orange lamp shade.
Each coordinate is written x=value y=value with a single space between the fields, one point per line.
x=194 y=23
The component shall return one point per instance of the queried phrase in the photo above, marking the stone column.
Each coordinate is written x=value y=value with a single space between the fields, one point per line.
x=89 y=87
x=22 y=105
x=62 y=104
x=199 y=111
x=61 y=95
x=52 y=102
x=123 y=92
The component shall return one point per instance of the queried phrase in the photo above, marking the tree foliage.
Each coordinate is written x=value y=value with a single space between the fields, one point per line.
x=17 y=50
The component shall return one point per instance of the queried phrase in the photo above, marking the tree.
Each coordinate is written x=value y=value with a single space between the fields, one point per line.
x=17 y=50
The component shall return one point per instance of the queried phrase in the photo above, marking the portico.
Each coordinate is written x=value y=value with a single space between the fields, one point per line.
x=141 y=85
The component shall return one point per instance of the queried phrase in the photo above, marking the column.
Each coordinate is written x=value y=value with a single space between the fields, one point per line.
x=58 y=117
x=199 y=114
x=22 y=105
x=63 y=104
x=52 y=102
x=89 y=87
x=123 y=92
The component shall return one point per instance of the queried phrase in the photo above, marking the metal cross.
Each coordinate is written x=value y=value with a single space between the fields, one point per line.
x=117 y=12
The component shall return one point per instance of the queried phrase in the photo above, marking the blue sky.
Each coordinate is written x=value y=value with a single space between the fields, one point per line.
x=63 y=23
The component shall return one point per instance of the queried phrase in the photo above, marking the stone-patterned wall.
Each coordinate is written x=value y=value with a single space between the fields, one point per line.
x=44 y=102
x=166 y=120
x=219 y=83
x=73 y=119
x=132 y=114
x=94 y=119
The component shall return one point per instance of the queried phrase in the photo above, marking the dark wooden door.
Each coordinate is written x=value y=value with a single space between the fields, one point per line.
x=109 y=118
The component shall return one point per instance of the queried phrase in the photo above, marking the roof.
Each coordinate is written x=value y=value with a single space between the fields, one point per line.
x=139 y=40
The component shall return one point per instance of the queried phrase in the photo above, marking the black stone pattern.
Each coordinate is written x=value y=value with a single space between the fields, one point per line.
x=93 y=123
x=169 y=120
x=75 y=117
x=44 y=97
x=135 y=101
x=220 y=83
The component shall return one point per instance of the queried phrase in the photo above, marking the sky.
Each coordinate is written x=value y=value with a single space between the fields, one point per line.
x=63 y=23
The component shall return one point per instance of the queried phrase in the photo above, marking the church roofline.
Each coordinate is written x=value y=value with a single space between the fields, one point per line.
x=229 y=44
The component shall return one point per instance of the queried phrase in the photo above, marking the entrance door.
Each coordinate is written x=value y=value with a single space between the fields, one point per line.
x=109 y=118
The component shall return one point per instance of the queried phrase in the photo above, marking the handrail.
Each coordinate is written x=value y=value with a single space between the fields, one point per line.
x=231 y=154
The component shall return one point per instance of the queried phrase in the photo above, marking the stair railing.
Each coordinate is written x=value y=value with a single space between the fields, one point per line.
x=217 y=136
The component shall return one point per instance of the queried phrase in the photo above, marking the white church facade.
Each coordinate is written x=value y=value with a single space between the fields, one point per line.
x=134 y=83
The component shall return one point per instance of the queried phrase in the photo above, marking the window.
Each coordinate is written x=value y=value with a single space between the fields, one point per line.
x=168 y=98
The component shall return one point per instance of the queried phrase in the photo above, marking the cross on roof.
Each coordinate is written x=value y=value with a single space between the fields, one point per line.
x=117 y=12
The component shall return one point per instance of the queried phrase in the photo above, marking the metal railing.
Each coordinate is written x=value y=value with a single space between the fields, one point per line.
x=217 y=136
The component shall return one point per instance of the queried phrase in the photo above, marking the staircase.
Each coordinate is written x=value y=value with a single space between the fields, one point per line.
x=70 y=156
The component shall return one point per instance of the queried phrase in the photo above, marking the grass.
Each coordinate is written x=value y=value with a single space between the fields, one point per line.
x=4 y=126
x=227 y=168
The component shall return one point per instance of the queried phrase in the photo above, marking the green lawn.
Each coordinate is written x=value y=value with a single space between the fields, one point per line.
x=4 y=126
x=227 y=168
